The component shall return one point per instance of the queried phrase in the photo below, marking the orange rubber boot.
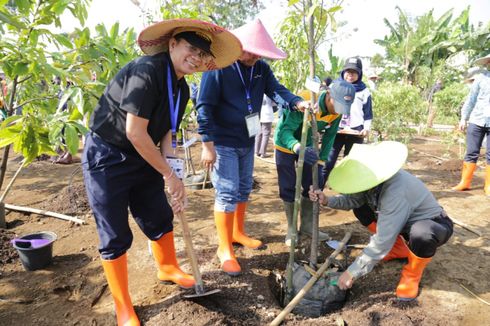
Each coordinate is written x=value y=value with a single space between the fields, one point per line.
x=372 y=227
x=168 y=269
x=487 y=180
x=239 y=235
x=408 y=288
x=399 y=249
x=466 y=176
x=226 y=255
x=116 y=273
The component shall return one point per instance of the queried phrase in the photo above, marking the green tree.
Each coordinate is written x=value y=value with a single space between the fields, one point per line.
x=31 y=55
x=293 y=36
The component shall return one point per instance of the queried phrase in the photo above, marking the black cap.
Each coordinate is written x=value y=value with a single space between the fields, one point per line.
x=199 y=40
x=353 y=63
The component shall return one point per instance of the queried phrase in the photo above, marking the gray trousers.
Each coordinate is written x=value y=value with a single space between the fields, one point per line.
x=262 y=138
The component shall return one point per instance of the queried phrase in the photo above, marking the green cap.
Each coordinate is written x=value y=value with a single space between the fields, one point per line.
x=367 y=166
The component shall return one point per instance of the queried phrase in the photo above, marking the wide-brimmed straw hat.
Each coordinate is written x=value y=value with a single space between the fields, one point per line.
x=367 y=166
x=225 y=47
x=256 y=40
x=483 y=60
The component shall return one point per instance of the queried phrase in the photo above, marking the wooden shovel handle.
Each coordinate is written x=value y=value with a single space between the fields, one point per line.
x=190 y=252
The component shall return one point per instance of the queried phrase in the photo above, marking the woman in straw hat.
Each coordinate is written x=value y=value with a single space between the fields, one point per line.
x=228 y=114
x=141 y=110
x=405 y=218
x=476 y=111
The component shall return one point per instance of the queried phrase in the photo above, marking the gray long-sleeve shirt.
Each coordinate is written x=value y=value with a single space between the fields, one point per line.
x=403 y=199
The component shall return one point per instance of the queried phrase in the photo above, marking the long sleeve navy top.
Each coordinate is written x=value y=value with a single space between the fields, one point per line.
x=222 y=102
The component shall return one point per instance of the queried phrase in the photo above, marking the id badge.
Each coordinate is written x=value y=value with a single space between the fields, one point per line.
x=253 y=124
x=177 y=164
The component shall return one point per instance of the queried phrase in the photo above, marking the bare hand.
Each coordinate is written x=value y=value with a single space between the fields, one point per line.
x=317 y=195
x=176 y=188
x=177 y=206
x=208 y=155
x=345 y=281
x=462 y=125
x=364 y=133
x=302 y=105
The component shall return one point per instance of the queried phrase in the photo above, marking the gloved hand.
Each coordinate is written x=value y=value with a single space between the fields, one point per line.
x=311 y=157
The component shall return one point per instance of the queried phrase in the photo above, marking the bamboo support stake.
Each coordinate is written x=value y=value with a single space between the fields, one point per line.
x=297 y=206
x=278 y=320
x=43 y=212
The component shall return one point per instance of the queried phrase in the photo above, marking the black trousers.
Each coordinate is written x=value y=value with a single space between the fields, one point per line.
x=423 y=236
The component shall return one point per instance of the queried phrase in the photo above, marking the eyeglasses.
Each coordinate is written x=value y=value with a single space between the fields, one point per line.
x=204 y=56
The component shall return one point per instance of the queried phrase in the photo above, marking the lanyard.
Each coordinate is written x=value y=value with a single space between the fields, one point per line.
x=247 y=90
x=174 y=109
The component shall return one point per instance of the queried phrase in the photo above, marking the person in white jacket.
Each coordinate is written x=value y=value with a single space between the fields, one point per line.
x=266 y=119
x=354 y=127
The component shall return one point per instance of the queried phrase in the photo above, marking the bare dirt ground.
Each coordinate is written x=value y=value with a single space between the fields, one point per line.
x=73 y=290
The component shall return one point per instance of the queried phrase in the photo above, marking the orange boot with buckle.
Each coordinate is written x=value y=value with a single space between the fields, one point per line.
x=239 y=235
x=168 y=269
x=116 y=273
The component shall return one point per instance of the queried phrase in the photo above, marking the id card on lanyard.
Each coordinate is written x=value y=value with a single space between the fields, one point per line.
x=252 y=119
x=174 y=108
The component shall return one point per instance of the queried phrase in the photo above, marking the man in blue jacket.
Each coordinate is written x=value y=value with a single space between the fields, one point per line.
x=228 y=107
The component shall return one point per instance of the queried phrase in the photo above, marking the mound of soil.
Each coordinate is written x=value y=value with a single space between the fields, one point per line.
x=71 y=200
x=8 y=254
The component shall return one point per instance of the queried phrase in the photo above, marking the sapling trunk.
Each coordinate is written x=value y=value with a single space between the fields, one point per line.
x=316 y=205
x=297 y=207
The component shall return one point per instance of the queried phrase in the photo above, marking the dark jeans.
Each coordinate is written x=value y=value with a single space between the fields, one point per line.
x=341 y=140
x=424 y=236
x=286 y=176
x=474 y=140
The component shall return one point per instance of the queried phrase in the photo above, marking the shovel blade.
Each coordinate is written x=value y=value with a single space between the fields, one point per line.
x=334 y=244
x=201 y=294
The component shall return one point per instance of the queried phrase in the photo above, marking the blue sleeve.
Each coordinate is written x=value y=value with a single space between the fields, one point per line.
x=277 y=92
x=470 y=102
x=367 y=108
x=207 y=103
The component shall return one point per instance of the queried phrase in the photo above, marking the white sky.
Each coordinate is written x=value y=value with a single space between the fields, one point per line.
x=364 y=18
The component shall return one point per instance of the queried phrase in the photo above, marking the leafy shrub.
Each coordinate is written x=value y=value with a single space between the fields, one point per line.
x=395 y=108
x=449 y=101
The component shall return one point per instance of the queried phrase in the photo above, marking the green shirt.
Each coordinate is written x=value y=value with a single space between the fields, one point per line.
x=288 y=130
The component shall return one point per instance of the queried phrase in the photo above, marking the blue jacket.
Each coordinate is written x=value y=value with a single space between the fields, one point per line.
x=222 y=102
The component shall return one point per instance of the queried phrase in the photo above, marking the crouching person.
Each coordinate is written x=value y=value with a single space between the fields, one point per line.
x=403 y=215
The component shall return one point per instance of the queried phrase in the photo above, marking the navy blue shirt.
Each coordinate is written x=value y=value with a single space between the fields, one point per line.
x=222 y=102
x=139 y=88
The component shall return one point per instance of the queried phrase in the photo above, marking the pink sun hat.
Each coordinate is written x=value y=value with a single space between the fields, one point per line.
x=256 y=40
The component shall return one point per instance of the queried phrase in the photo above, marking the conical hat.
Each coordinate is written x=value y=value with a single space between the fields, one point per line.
x=256 y=40
x=367 y=166
x=225 y=47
